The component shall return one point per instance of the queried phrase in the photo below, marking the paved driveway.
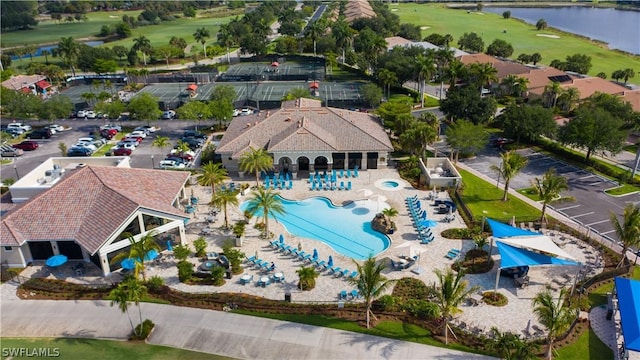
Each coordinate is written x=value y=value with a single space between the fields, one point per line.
x=591 y=207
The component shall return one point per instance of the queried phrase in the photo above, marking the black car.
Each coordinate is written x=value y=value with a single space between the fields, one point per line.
x=78 y=151
x=195 y=134
x=40 y=134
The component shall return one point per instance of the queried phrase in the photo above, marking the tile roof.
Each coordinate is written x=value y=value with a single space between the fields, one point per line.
x=589 y=86
x=632 y=97
x=356 y=9
x=302 y=129
x=394 y=41
x=504 y=67
x=539 y=78
x=89 y=204
x=21 y=81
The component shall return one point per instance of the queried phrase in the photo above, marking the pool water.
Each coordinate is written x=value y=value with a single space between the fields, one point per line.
x=390 y=184
x=346 y=229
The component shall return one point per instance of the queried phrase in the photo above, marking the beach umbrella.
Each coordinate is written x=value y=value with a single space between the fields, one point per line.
x=281 y=239
x=315 y=254
x=56 y=260
x=151 y=255
x=365 y=192
x=330 y=262
x=428 y=223
x=128 y=264
x=169 y=245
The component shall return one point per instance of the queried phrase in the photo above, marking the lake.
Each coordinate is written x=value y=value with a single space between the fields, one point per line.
x=619 y=28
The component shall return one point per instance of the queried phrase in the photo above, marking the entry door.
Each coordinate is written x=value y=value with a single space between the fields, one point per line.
x=41 y=250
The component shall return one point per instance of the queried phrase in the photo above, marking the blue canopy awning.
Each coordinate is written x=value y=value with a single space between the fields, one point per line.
x=628 y=292
x=501 y=230
x=511 y=256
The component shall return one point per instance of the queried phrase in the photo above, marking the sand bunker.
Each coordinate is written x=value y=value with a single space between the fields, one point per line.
x=425 y=27
x=549 y=36
x=394 y=9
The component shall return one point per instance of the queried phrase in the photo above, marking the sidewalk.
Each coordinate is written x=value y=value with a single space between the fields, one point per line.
x=214 y=332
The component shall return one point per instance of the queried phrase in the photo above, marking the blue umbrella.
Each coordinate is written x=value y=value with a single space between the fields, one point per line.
x=56 y=260
x=428 y=223
x=330 y=262
x=424 y=215
x=128 y=264
x=281 y=239
x=150 y=255
x=418 y=204
x=169 y=245
x=315 y=254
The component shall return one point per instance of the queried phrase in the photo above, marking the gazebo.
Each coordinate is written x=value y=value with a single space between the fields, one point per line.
x=628 y=294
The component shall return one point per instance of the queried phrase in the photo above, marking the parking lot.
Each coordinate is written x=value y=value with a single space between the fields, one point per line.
x=591 y=206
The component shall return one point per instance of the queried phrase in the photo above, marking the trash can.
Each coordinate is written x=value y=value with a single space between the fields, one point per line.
x=609 y=314
x=287 y=297
x=228 y=274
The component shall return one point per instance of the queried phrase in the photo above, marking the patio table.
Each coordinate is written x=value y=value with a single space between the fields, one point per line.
x=278 y=276
x=476 y=299
x=264 y=281
x=245 y=278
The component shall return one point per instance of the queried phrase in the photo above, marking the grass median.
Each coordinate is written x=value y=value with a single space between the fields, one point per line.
x=523 y=37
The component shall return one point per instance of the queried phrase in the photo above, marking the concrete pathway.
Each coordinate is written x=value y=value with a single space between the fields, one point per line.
x=215 y=332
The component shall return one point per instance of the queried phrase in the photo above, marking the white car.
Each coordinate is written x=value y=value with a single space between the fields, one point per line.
x=126 y=145
x=138 y=133
x=176 y=151
x=55 y=128
x=246 y=111
x=171 y=164
x=87 y=145
x=91 y=140
x=20 y=126
x=131 y=142
x=236 y=112
x=90 y=115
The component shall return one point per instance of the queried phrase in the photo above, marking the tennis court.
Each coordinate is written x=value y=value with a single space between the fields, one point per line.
x=74 y=93
x=274 y=71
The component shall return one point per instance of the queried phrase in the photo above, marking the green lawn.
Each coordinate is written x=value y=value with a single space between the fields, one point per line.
x=483 y=198
x=104 y=349
x=623 y=190
x=530 y=193
x=587 y=346
x=522 y=36
x=389 y=329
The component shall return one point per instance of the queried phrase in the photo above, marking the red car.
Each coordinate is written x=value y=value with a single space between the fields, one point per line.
x=136 y=138
x=183 y=156
x=122 y=152
x=27 y=145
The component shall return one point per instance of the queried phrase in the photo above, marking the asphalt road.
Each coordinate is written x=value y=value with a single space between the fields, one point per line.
x=140 y=158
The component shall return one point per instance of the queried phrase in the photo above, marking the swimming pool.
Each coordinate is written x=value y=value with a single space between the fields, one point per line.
x=390 y=184
x=347 y=229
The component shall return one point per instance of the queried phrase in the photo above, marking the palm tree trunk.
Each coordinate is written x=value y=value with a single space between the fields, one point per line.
x=226 y=219
x=441 y=89
x=506 y=190
x=367 y=317
x=257 y=179
x=544 y=209
x=549 y=354
x=140 y=313
x=625 y=248
x=133 y=328
x=228 y=56
x=144 y=58
x=204 y=48
x=422 y=93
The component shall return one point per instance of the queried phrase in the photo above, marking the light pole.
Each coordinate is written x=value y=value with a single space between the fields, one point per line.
x=15 y=168
x=153 y=162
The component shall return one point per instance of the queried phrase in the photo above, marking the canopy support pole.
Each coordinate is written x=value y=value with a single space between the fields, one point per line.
x=495 y=289
x=575 y=281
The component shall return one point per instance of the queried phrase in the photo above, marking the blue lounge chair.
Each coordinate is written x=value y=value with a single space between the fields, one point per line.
x=341 y=185
x=293 y=251
x=286 y=248
x=452 y=255
x=348 y=173
x=273 y=243
x=342 y=295
x=349 y=185
x=355 y=172
x=353 y=275
x=251 y=259
x=318 y=263
x=344 y=272
x=305 y=257
x=290 y=186
x=333 y=186
x=301 y=254
x=334 y=270
x=426 y=240
x=341 y=173
x=258 y=263
x=355 y=294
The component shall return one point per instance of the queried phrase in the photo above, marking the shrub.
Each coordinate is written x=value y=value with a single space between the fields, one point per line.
x=143 y=330
x=201 y=246
x=461 y=233
x=234 y=255
x=385 y=303
x=155 y=283
x=185 y=270
x=422 y=309
x=217 y=275
x=181 y=252
x=494 y=298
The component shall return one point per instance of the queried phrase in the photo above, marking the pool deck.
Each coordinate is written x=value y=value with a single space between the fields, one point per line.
x=517 y=316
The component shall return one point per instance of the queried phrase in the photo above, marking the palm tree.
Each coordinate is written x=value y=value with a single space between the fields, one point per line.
x=426 y=68
x=454 y=72
x=307 y=277
x=370 y=283
x=161 y=142
x=343 y=34
x=223 y=199
x=46 y=54
x=387 y=78
x=568 y=98
x=452 y=292
x=225 y=38
x=212 y=175
x=69 y=50
x=511 y=346
x=137 y=251
x=141 y=43
x=555 y=315
x=120 y=296
x=521 y=86
x=629 y=230
x=485 y=74
x=552 y=92
x=256 y=160
x=549 y=188
x=315 y=31
x=268 y=202
x=508 y=84
x=512 y=163
x=201 y=35
x=89 y=97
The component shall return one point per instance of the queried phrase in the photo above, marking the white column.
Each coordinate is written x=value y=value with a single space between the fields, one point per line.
x=363 y=163
x=104 y=262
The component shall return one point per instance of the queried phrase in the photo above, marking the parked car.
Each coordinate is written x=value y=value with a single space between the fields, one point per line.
x=81 y=114
x=150 y=129
x=14 y=132
x=193 y=143
x=171 y=164
x=246 y=111
x=108 y=134
x=40 y=134
x=8 y=151
x=138 y=139
x=138 y=133
x=117 y=128
x=27 y=145
x=55 y=128
x=78 y=151
x=97 y=142
x=168 y=115
x=182 y=155
x=195 y=134
x=86 y=145
x=127 y=144
x=121 y=151
x=176 y=150
x=236 y=112
x=143 y=129
x=19 y=125
x=178 y=159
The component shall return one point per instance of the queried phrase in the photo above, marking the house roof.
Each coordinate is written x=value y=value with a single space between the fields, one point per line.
x=21 y=81
x=479 y=58
x=632 y=97
x=356 y=9
x=539 y=78
x=394 y=41
x=90 y=203
x=589 y=86
x=295 y=127
x=504 y=68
